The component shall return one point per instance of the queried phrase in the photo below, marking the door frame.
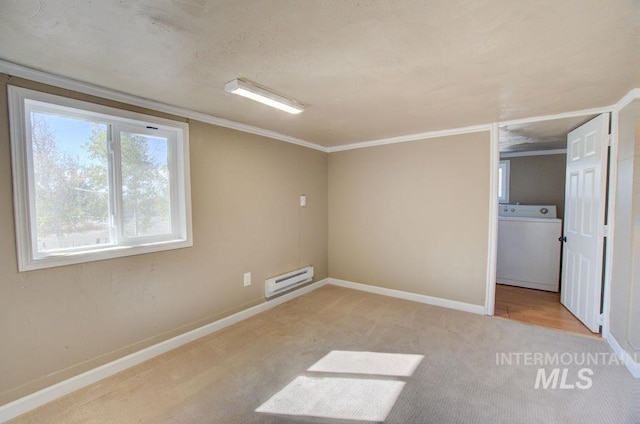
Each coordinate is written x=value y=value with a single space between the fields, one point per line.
x=610 y=206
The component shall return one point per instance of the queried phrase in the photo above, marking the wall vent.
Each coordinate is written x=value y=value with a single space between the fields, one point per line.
x=288 y=281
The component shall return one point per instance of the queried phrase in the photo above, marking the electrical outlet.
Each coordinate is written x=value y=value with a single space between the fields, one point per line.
x=247 y=279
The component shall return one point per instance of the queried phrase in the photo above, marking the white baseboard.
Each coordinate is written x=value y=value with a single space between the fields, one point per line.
x=48 y=394
x=632 y=365
x=421 y=298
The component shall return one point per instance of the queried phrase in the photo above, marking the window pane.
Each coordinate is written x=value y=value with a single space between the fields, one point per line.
x=500 y=186
x=146 y=196
x=71 y=185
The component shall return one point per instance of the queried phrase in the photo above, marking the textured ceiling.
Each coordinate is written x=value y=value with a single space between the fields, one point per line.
x=543 y=135
x=364 y=69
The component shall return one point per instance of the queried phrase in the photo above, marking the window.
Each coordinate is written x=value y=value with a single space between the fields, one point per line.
x=503 y=182
x=93 y=182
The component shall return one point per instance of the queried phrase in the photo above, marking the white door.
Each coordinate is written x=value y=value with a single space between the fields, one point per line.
x=584 y=220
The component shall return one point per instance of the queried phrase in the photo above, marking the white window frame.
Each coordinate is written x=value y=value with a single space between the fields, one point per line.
x=505 y=167
x=21 y=100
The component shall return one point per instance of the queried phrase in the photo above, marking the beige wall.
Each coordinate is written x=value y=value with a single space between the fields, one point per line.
x=624 y=317
x=58 y=322
x=538 y=180
x=413 y=216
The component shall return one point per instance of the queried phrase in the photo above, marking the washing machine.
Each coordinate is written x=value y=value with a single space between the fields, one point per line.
x=529 y=246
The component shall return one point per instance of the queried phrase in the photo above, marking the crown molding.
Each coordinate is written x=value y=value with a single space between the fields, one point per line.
x=411 y=137
x=573 y=114
x=95 y=90
x=628 y=98
x=106 y=93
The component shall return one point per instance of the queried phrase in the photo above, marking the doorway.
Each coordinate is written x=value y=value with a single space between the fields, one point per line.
x=538 y=307
x=535 y=154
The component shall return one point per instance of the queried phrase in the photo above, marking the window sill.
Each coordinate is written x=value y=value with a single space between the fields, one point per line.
x=112 y=252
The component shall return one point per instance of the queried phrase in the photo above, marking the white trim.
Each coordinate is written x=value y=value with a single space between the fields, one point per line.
x=221 y=122
x=504 y=165
x=573 y=114
x=632 y=95
x=611 y=218
x=420 y=298
x=48 y=394
x=492 y=242
x=628 y=360
x=411 y=137
x=106 y=93
x=533 y=153
x=21 y=102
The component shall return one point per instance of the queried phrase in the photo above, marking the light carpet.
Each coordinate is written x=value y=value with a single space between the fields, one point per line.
x=345 y=398
x=375 y=363
x=224 y=377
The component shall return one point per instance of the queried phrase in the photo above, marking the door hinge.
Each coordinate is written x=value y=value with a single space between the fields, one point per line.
x=610 y=140
x=604 y=231
x=600 y=319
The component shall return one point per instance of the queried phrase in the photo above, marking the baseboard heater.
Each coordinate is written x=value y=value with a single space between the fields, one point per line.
x=288 y=281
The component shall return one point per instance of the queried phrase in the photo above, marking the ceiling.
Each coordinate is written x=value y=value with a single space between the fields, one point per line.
x=537 y=136
x=365 y=70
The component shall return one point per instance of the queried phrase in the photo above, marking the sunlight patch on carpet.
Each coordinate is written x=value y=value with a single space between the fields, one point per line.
x=340 y=361
x=340 y=398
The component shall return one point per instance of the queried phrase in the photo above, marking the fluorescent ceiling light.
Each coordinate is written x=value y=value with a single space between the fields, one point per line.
x=259 y=94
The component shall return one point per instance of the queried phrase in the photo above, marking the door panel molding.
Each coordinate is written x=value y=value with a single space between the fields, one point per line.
x=585 y=197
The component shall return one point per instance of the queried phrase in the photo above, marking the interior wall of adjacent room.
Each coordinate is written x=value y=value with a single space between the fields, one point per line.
x=413 y=216
x=59 y=322
x=538 y=180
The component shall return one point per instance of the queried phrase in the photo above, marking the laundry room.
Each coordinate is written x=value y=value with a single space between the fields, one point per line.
x=532 y=190
x=537 y=178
